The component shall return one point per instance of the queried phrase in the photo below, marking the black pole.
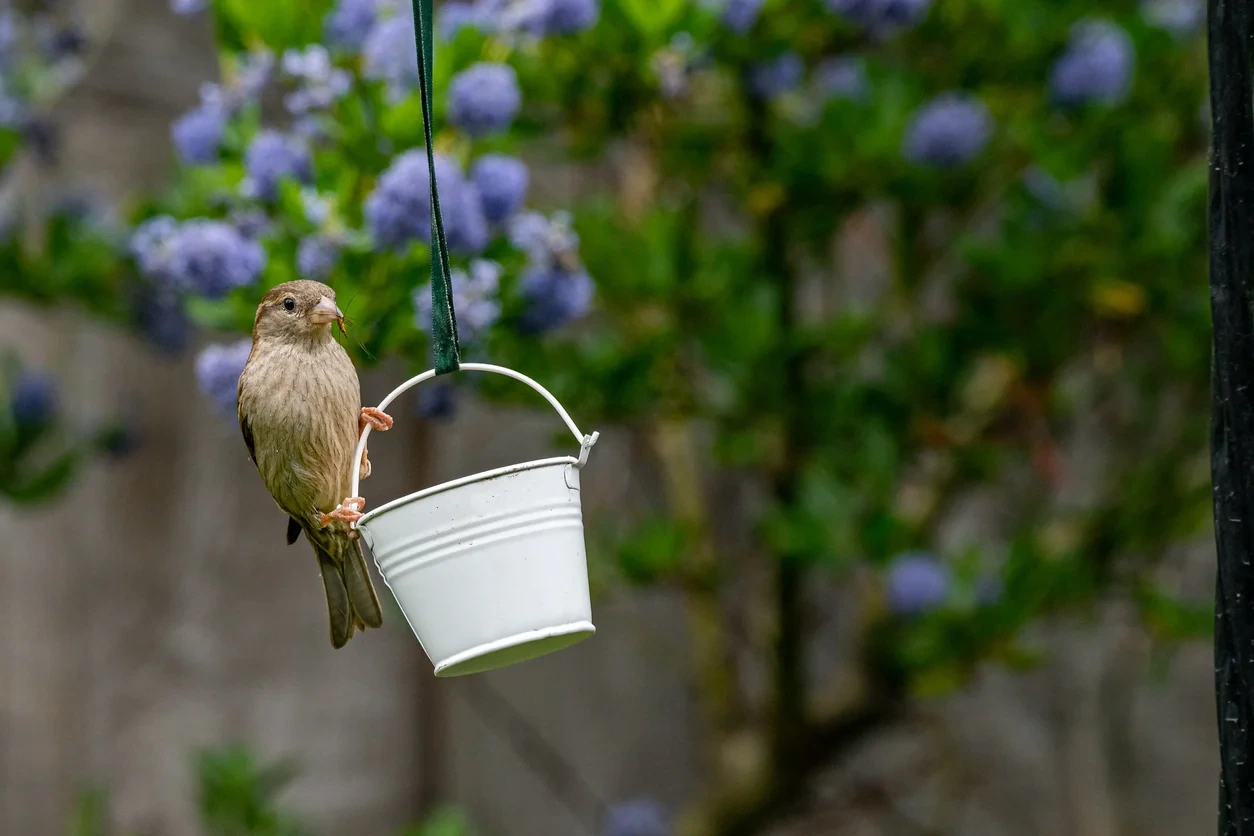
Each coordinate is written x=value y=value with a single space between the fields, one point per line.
x=1232 y=417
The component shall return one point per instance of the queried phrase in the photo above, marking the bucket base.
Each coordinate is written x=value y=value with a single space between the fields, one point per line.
x=520 y=648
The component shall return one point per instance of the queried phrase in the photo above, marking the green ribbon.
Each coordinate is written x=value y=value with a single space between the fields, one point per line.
x=443 y=318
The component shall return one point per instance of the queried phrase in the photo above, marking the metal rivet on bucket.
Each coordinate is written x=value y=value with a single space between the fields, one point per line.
x=490 y=569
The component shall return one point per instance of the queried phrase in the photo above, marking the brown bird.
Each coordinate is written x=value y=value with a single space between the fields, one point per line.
x=301 y=415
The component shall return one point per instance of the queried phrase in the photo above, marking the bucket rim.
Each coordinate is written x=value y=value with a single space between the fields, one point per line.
x=463 y=481
x=582 y=627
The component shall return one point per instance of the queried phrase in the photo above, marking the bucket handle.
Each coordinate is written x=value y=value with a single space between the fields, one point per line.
x=585 y=441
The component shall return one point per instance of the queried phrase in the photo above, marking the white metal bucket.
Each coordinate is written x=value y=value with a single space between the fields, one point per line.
x=489 y=569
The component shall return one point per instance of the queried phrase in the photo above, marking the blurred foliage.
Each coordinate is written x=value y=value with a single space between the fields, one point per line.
x=39 y=456
x=1032 y=326
x=1046 y=291
x=238 y=796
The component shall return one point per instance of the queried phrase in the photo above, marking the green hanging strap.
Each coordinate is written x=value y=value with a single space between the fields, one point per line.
x=443 y=318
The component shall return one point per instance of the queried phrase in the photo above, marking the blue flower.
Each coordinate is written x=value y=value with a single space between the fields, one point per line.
x=252 y=73
x=642 y=817
x=245 y=81
x=950 y=130
x=484 y=98
x=218 y=368
x=1096 y=68
x=465 y=225
x=511 y=17
x=740 y=15
x=881 y=17
x=348 y=24
x=188 y=7
x=273 y=157
x=841 y=78
x=502 y=183
x=776 y=77
x=474 y=299
x=555 y=287
x=566 y=17
x=390 y=55
x=212 y=258
x=542 y=239
x=555 y=295
x=398 y=211
x=316 y=257
x=150 y=244
x=917 y=583
x=321 y=82
x=33 y=400
x=197 y=135
x=453 y=17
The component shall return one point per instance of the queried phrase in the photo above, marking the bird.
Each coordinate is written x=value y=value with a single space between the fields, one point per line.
x=301 y=417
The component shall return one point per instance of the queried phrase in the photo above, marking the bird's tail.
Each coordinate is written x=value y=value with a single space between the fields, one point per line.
x=351 y=599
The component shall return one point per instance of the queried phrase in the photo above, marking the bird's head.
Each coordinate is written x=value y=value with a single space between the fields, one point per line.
x=300 y=310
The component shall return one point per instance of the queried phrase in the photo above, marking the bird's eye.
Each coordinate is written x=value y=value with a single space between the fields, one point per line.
x=289 y=303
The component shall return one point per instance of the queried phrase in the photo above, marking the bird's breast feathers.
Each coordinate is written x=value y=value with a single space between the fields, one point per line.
x=302 y=406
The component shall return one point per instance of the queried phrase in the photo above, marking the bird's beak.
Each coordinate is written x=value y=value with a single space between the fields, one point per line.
x=326 y=312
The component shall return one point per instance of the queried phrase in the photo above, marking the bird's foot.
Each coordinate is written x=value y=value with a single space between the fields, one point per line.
x=378 y=420
x=348 y=511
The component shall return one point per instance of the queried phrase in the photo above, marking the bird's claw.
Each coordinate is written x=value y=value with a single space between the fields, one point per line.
x=348 y=511
x=378 y=420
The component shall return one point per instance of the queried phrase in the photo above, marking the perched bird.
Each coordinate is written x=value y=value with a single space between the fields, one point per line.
x=301 y=415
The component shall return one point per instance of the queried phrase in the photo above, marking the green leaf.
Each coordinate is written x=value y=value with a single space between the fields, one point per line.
x=652 y=17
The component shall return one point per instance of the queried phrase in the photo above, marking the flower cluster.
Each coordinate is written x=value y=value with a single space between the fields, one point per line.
x=218 y=368
x=320 y=83
x=201 y=256
x=484 y=98
x=271 y=158
x=949 y=131
x=917 y=583
x=398 y=211
x=480 y=196
x=388 y=55
x=197 y=134
x=502 y=182
x=776 y=77
x=740 y=15
x=474 y=299
x=881 y=16
x=1096 y=68
x=535 y=18
x=349 y=23
x=555 y=286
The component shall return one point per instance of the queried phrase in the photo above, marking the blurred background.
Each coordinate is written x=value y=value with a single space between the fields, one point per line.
x=891 y=313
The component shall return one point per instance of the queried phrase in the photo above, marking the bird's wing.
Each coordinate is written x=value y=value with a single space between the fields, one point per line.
x=293 y=530
x=247 y=432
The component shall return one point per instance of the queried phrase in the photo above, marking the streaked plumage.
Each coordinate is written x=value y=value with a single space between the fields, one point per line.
x=300 y=414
